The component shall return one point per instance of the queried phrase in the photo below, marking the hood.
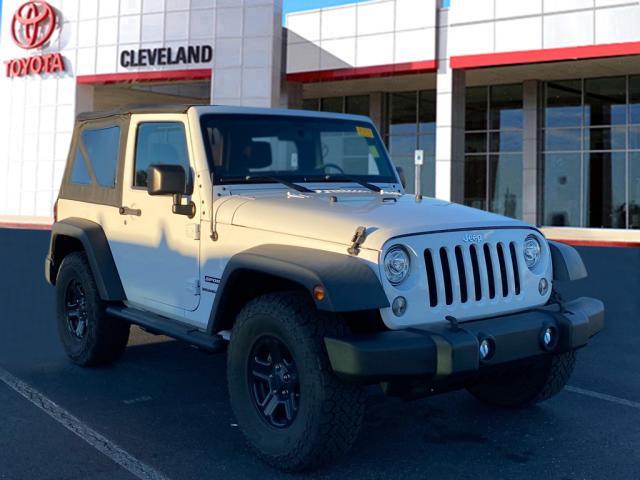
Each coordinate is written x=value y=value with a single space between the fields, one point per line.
x=321 y=217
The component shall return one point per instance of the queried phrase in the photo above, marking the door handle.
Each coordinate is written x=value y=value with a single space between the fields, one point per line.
x=130 y=211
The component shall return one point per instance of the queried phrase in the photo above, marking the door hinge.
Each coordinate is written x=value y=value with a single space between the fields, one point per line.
x=193 y=231
x=193 y=286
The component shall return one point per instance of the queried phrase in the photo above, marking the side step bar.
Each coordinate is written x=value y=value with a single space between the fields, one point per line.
x=161 y=325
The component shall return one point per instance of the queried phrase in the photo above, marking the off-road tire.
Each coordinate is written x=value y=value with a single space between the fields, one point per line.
x=330 y=411
x=105 y=338
x=526 y=384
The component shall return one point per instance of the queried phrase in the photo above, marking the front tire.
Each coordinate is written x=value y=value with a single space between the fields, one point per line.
x=527 y=384
x=88 y=335
x=294 y=412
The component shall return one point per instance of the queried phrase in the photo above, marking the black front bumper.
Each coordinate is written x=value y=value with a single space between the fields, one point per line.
x=441 y=350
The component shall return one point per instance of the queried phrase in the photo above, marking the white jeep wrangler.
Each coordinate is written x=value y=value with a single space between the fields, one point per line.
x=287 y=236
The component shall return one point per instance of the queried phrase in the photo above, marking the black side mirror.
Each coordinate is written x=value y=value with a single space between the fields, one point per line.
x=171 y=180
x=403 y=177
x=166 y=180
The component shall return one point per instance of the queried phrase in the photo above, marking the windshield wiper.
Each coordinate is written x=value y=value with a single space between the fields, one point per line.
x=259 y=178
x=346 y=178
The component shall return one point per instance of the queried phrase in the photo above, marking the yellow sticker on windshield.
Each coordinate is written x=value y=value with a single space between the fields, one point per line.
x=364 y=132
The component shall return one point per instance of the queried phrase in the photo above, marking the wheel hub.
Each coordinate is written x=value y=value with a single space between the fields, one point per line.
x=273 y=381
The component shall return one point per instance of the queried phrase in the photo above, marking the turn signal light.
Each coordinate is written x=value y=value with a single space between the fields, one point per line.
x=319 y=293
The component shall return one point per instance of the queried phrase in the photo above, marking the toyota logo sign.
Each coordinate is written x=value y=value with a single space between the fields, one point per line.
x=33 y=24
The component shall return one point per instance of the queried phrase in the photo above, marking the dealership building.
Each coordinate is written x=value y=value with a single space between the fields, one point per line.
x=528 y=108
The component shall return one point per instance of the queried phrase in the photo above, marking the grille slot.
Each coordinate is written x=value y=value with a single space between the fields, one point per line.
x=514 y=263
x=503 y=271
x=446 y=272
x=464 y=274
x=431 y=278
x=476 y=273
x=489 y=266
x=464 y=296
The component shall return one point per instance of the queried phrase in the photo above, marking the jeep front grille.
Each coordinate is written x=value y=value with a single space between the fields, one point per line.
x=472 y=273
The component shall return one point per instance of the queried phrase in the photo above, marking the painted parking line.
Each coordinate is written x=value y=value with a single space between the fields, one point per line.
x=86 y=433
x=603 y=396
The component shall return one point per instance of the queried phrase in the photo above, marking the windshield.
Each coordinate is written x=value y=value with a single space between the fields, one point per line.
x=253 y=148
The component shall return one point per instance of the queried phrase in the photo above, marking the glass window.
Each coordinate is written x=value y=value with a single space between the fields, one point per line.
x=605 y=101
x=562 y=139
x=634 y=190
x=160 y=143
x=357 y=105
x=562 y=190
x=403 y=116
x=506 y=107
x=80 y=173
x=505 y=184
x=476 y=108
x=494 y=148
x=103 y=148
x=411 y=120
x=294 y=148
x=476 y=142
x=608 y=138
x=592 y=184
x=509 y=141
x=634 y=138
x=427 y=112
x=311 y=104
x=475 y=181
x=563 y=104
x=332 y=104
x=605 y=183
x=634 y=100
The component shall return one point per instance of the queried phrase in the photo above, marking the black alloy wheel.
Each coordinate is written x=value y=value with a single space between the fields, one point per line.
x=75 y=309
x=274 y=382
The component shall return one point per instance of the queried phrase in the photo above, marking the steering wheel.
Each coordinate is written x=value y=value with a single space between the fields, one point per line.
x=332 y=165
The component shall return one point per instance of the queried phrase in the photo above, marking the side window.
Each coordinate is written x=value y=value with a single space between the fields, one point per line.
x=79 y=173
x=103 y=147
x=160 y=143
x=97 y=153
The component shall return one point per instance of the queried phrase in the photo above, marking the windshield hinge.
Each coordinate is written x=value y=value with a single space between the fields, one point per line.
x=357 y=240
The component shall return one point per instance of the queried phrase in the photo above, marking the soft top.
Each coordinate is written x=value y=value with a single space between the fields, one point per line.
x=212 y=109
x=132 y=109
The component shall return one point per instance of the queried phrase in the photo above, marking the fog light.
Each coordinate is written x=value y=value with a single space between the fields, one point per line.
x=399 y=306
x=486 y=349
x=543 y=287
x=549 y=337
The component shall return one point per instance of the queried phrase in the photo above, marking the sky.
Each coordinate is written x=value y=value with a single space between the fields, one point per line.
x=298 y=5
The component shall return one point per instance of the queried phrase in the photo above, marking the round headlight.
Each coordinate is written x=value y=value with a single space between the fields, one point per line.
x=396 y=264
x=532 y=251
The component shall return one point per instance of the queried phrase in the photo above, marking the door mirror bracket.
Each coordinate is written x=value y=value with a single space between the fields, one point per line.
x=179 y=209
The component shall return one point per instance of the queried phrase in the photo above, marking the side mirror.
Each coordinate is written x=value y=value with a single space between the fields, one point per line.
x=403 y=177
x=166 y=180
x=171 y=180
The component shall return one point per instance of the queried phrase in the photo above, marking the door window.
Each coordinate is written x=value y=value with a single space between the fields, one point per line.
x=160 y=143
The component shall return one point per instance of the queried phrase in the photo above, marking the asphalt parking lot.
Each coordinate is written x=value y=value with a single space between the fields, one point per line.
x=166 y=405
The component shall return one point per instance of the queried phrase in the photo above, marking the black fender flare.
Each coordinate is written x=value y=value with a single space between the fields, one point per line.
x=96 y=247
x=350 y=284
x=567 y=262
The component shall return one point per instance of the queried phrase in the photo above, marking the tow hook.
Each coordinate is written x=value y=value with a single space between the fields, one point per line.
x=357 y=240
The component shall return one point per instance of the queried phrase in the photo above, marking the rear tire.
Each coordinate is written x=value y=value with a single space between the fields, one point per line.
x=89 y=336
x=527 y=384
x=319 y=418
